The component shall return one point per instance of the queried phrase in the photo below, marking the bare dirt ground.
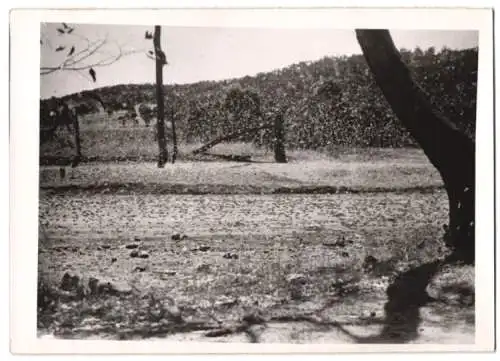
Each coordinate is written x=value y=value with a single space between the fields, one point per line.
x=263 y=267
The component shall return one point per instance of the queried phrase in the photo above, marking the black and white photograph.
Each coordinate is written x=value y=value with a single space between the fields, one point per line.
x=229 y=183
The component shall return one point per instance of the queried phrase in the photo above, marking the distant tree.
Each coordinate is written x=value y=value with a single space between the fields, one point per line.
x=430 y=52
x=242 y=106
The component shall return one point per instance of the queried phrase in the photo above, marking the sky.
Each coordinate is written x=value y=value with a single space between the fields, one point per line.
x=196 y=54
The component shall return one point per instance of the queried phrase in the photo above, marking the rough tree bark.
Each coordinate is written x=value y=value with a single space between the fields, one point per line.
x=160 y=61
x=450 y=150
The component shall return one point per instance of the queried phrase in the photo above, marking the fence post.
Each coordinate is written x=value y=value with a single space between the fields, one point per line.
x=279 y=138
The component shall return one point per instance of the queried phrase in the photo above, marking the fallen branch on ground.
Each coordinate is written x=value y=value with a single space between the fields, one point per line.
x=230 y=157
x=229 y=136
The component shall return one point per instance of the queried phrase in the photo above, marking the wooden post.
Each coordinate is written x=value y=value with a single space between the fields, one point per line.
x=76 y=133
x=174 y=134
x=160 y=61
x=279 y=139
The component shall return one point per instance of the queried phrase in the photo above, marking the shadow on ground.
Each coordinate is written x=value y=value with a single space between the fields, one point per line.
x=406 y=296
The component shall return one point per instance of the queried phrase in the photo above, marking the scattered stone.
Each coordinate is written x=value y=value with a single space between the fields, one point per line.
x=254 y=318
x=225 y=301
x=143 y=254
x=94 y=287
x=173 y=313
x=176 y=237
x=340 y=244
x=74 y=249
x=136 y=239
x=296 y=283
x=367 y=315
x=169 y=273
x=205 y=267
x=69 y=282
x=296 y=293
x=76 y=286
x=111 y=288
x=132 y=246
x=105 y=246
x=369 y=263
x=184 y=236
x=230 y=256
x=297 y=279
x=345 y=287
x=200 y=248
x=119 y=288
x=344 y=254
x=339 y=283
x=134 y=254
x=140 y=268
x=114 y=259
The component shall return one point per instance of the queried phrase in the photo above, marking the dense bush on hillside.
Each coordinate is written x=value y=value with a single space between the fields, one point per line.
x=330 y=102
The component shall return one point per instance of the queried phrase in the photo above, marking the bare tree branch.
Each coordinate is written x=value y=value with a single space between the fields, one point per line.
x=85 y=56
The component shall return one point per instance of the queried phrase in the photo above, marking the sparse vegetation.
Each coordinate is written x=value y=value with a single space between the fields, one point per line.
x=357 y=115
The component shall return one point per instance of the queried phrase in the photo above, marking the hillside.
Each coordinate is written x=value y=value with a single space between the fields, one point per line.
x=329 y=103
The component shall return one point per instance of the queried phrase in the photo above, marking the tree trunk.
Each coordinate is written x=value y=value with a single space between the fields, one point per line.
x=279 y=139
x=451 y=151
x=160 y=61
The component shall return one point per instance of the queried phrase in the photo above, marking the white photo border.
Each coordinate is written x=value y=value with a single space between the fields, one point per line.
x=24 y=158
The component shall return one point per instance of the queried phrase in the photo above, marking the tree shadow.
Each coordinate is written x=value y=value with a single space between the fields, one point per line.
x=402 y=310
x=406 y=295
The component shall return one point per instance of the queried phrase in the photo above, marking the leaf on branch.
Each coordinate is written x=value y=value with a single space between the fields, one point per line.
x=148 y=35
x=59 y=48
x=41 y=42
x=70 y=30
x=72 y=50
x=92 y=74
x=65 y=25
x=150 y=52
x=61 y=31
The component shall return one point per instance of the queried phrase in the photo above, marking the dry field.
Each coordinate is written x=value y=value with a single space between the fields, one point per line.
x=247 y=252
